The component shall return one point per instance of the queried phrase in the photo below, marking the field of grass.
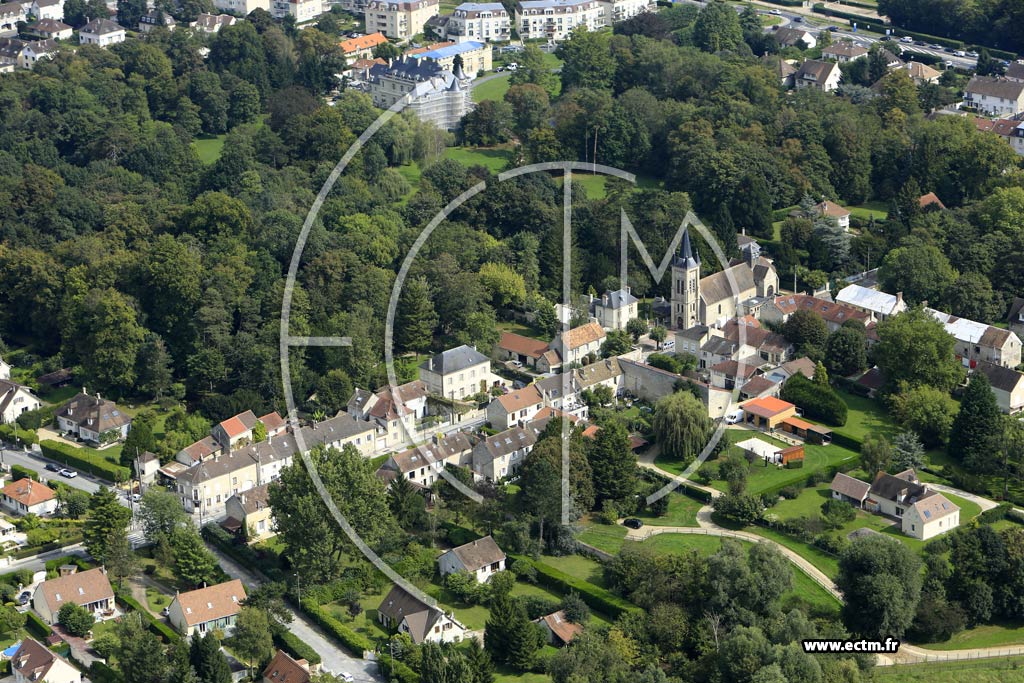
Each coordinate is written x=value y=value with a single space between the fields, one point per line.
x=595 y=185
x=495 y=159
x=606 y=537
x=505 y=675
x=156 y=601
x=209 y=147
x=682 y=511
x=977 y=671
x=986 y=635
x=864 y=416
x=493 y=89
x=762 y=478
x=868 y=210
x=520 y=329
x=828 y=564
x=580 y=566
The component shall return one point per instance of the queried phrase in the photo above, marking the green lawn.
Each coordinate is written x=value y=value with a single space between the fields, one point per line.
x=595 y=185
x=986 y=635
x=762 y=478
x=493 y=89
x=868 y=210
x=520 y=329
x=579 y=566
x=156 y=600
x=606 y=537
x=505 y=675
x=682 y=511
x=828 y=564
x=495 y=159
x=769 y=20
x=994 y=670
x=864 y=416
x=209 y=147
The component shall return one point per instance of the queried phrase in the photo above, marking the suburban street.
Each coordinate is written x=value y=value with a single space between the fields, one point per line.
x=334 y=658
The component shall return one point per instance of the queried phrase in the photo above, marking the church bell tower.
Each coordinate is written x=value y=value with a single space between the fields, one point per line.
x=685 y=297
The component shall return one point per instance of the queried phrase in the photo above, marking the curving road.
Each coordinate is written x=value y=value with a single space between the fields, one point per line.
x=908 y=654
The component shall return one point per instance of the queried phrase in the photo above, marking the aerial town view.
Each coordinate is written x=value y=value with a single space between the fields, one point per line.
x=526 y=341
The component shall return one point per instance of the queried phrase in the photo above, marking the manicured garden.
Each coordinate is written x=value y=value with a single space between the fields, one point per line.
x=494 y=89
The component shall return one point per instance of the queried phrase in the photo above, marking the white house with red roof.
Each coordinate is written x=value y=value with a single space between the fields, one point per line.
x=24 y=496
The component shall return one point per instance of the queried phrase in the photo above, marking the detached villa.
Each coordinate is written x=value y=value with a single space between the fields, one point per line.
x=206 y=609
x=93 y=419
x=405 y=613
x=482 y=558
x=921 y=512
x=89 y=589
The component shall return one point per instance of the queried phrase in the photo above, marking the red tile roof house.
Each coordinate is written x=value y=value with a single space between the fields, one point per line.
x=284 y=669
x=206 y=609
x=558 y=629
x=36 y=663
x=25 y=496
x=89 y=589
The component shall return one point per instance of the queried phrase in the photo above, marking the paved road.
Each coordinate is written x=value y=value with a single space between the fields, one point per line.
x=37 y=562
x=334 y=658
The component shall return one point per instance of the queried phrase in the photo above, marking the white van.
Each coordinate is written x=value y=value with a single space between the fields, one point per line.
x=734 y=417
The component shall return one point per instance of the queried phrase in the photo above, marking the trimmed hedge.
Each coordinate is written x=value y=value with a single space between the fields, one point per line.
x=84 y=460
x=786 y=3
x=817 y=402
x=36 y=626
x=296 y=647
x=847 y=442
x=46 y=547
x=19 y=472
x=25 y=436
x=356 y=643
x=596 y=597
x=158 y=627
x=395 y=670
x=995 y=514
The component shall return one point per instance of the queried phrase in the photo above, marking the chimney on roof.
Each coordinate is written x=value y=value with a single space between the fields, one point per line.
x=899 y=297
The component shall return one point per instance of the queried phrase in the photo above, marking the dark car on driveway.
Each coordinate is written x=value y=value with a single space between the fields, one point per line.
x=632 y=523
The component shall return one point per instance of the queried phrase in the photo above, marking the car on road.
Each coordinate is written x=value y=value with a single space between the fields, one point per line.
x=948 y=49
x=960 y=53
x=833 y=29
x=53 y=467
x=948 y=63
x=906 y=39
x=68 y=473
x=798 y=19
x=632 y=523
x=776 y=12
x=920 y=43
x=346 y=676
x=972 y=54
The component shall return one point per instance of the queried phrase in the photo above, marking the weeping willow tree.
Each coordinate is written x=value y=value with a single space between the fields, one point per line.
x=682 y=426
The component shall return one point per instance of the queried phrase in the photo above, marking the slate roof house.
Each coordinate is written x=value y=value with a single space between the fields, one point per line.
x=500 y=455
x=1015 y=318
x=457 y=373
x=923 y=513
x=93 y=419
x=435 y=95
x=405 y=613
x=422 y=464
x=1007 y=385
x=481 y=558
x=843 y=51
x=614 y=309
x=789 y=37
x=101 y=32
x=995 y=97
x=977 y=342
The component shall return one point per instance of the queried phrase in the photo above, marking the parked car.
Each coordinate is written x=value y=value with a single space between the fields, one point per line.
x=960 y=53
x=53 y=467
x=24 y=598
x=972 y=54
x=948 y=63
x=166 y=611
x=515 y=364
x=734 y=417
x=948 y=49
x=632 y=523
x=136 y=497
x=346 y=676
x=512 y=66
x=68 y=473
x=670 y=344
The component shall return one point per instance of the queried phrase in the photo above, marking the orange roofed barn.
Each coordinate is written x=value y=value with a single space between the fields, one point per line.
x=767 y=412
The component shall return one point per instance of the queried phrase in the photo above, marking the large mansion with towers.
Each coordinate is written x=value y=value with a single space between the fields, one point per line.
x=712 y=300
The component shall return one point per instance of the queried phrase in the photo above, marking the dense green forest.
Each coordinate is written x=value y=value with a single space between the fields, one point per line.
x=996 y=23
x=126 y=257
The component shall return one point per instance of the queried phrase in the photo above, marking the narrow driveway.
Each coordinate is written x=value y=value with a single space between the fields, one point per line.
x=334 y=658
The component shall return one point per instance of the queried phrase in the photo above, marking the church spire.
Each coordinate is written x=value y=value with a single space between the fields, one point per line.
x=687 y=257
